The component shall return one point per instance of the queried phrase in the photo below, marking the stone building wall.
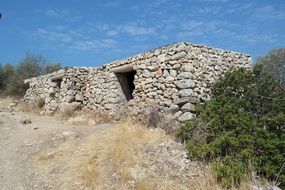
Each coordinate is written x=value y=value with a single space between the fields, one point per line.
x=172 y=79
x=54 y=89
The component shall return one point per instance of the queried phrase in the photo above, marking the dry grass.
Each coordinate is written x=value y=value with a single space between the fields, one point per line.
x=65 y=114
x=26 y=107
x=117 y=151
x=5 y=101
x=113 y=158
x=109 y=159
x=87 y=117
x=39 y=102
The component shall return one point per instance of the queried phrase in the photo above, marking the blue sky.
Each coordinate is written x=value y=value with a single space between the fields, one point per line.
x=94 y=32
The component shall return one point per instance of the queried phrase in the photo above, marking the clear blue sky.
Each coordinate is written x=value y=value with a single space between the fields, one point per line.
x=94 y=32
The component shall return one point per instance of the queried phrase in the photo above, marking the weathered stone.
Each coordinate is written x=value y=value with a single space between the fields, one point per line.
x=187 y=68
x=185 y=92
x=176 y=66
x=185 y=116
x=158 y=72
x=185 y=83
x=108 y=106
x=165 y=73
x=147 y=74
x=152 y=68
x=185 y=75
x=161 y=58
x=178 y=55
x=181 y=101
x=189 y=107
x=169 y=79
x=177 y=114
x=66 y=135
x=79 y=97
x=175 y=74
x=174 y=108
x=181 y=47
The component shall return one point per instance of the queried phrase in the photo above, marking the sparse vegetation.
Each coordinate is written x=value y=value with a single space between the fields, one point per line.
x=116 y=157
x=12 y=75
x=241 y=129
x=153 y=118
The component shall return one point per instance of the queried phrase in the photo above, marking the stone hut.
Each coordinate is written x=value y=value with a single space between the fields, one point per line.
x=173 y=79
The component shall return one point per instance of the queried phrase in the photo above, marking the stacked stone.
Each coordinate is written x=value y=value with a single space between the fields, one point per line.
x=177 y=77
x=104 y=92
x=71 y=88
x=172 y=78
x=74 y=85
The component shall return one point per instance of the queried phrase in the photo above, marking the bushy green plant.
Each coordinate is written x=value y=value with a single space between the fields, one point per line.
x=241 y=128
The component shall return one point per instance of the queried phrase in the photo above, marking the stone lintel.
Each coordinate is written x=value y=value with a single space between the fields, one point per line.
x=122 y=69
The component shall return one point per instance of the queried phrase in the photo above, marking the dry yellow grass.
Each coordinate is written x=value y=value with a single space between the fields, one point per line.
x=117 y=151
x=107 y=160
x=84 y=117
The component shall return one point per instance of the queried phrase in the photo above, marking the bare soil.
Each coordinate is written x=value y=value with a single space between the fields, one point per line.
x=20 y=143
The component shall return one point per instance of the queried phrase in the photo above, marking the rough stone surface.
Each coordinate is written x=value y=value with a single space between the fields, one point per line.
x=189 y=107
x=169 y=78
x=186 y=116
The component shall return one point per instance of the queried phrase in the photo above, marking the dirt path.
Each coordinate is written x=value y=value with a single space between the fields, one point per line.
x=20 y=142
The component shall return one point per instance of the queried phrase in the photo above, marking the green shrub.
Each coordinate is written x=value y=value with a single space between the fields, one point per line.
x=243 y=123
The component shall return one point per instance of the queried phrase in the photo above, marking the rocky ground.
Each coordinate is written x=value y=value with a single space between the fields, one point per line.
x=41 y=152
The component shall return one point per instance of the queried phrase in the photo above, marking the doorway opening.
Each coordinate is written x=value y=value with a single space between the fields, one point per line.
x=58 y=82
x=126 y=80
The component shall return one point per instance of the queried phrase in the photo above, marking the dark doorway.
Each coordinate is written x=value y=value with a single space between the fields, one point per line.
x=58 y=82
x=126 y=80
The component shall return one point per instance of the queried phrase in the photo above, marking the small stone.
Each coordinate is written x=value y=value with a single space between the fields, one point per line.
x=188 y=108
x=176 y=66
x=152 y=68
x=173 y=73
x=26 y=121
x=185 y=83
x=108 y=106
x=169 y=79
x=158 y=72
x=187 y=68
x=181 y=47
x=173 y=108
x=181 y=101
x=178 y=55
x=177 y=114
x=161 y=58
x=185 y=92
x=68 y=135
x=165 y=73
x=147 y=74
x=79 y=97
x=184 y=75
x=185 y=116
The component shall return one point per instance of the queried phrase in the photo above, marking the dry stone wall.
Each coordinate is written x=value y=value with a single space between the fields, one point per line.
x=173 y=79
x=66 y=86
